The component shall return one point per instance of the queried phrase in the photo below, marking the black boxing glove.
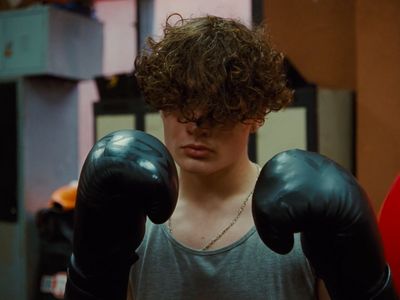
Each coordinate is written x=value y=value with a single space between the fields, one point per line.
x=300 y=191
x=127 y=176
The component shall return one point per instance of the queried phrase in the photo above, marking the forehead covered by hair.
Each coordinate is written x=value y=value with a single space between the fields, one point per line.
x=215 y=65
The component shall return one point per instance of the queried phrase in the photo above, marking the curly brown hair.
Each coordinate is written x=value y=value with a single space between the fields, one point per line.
x=216 y=65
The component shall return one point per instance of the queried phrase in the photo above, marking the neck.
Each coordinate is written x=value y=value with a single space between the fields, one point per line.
x=214 y=210
x=219 y=186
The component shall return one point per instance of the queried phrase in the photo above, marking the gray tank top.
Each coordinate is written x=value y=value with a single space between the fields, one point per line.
x=246 y=269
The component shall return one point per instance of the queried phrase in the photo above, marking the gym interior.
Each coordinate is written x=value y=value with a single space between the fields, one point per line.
x=66 y=81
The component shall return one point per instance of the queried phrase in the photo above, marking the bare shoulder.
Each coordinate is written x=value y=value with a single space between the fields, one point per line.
x=322 y=291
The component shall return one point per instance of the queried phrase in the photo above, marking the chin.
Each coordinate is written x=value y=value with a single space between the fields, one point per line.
x=200 y=167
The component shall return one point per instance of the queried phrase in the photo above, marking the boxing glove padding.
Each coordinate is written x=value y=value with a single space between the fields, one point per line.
x=300 y=191
x=127 y=176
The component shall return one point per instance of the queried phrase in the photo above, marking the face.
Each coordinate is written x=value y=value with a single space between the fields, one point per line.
x=205 y=149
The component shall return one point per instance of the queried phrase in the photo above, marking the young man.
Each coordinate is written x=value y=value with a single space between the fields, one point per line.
x=214 y=80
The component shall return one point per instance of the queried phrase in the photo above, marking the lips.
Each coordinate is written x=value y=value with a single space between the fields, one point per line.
x=196 y=150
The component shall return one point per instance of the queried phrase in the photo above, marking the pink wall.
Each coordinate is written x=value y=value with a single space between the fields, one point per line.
x=118 y=18
x=239 y=9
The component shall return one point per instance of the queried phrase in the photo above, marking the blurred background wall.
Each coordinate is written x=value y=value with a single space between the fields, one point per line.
x=351 y=45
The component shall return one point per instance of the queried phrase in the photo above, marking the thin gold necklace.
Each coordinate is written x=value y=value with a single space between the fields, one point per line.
x=220 y=234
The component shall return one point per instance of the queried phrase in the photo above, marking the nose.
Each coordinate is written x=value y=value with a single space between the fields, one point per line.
x=198 y=128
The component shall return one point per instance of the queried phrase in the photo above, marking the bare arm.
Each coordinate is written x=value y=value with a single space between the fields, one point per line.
x=130 y=293
x=321 y=291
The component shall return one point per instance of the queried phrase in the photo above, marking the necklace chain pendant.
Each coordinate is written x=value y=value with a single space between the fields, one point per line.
x=219 y=235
